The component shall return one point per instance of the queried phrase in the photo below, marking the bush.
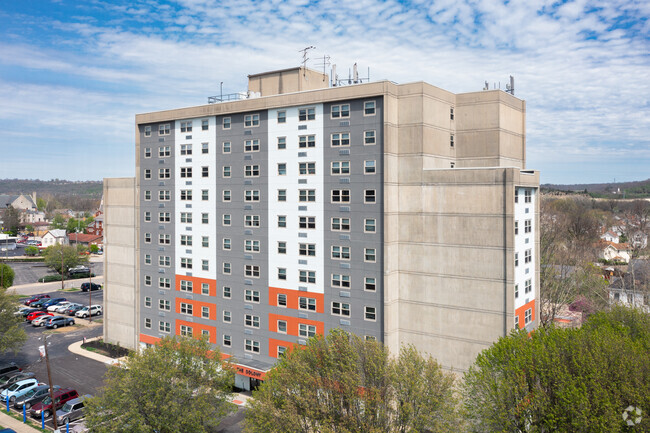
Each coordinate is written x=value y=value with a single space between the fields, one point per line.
x=31 y=250
x=94 y=249
x=7 y=275
x=50 y=278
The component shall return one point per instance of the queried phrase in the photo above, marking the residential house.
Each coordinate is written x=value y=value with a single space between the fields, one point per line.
x=639 y=239
x=615 y=251
x=633 y=288
x=54 y=237
x=85 y=239
x=21 y=202
x=97 y=226
x=610 y=236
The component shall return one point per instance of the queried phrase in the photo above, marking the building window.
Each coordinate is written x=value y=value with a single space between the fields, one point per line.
x=528 y=256
x=340 y=167
x=282 y=247
x=282 y=116
x=226 y=123
x=528 y=286
x=147 y=173
x=226 y=220
x=147 y=152
x=252 y=145
x=516 y=291
x=227 y=341
x=227 y=292
x=307 y=250
x=369 y=196
x=307 y=195
x=369 y=137
x=528 y=226
x=186 y=217
x=251 y=246
x=227 y=317
x=369 y=167
x=147 y=280
x=226 y=195
x=282 y=143
x=282 y=300
x=164 y=151
x=370 y=284
x=281 y=350
x=205 y=123
x=147 y=301
x=147 y=216
x=307 y=303
x=340 y=111
x=305 y=141
x=306 y=114
x=205 y=289
x=307 y=277
x=164 y=283
x=252 y=271
x=341 y=139
x=186 y=240
x=226 y=147
x=147 y=195
x=165 y=327
x=164 y=129
x=205 y=171
x=340 y=309
x=252 y=195
x=282 y=221
x=251 y=120
x=165 y=239
x=164 y=261
x=307 y=222
x=205 y=194
x=205 y=218
x=370 y=225
x=205 y=147
x=251 y=170
x=186 y=194
x=339 y=280
x=164 y=173
x=251 y=321
x=370 y=313
x=227 y=244
x=147 y=323
x=187 y=308
x=451 y=140
x=186 y=149
x=306 y=330
x=340 y=196
x=164 y=304
x=516 y=227
x=528 y=196
x=451 y=113
x=252 y=346
x=516 y=196
x=516 y=259
x=516 y=322
x=340 y=224
x=307 y=168
x=369 y=255
x=528 y=316
x=147 y=238
x=186 y=126
x=147 y=259
x=227 y=268
x=282 y=195
x=147 y=131
x=340 y=253
x=282 y=326
x=251 y=220
x=164 y=195
x=186 y=262
x=186 y=286
x=369 y=108
x=282 y=274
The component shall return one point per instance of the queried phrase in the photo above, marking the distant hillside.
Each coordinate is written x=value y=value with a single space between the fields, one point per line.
x=54 y=187
x=638 y=189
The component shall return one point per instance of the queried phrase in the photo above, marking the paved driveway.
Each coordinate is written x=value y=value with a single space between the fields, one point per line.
x=30 y=272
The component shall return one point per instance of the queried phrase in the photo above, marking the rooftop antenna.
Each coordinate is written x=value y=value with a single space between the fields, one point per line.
x=304 y=52
x=325 y=64
x=510 y=88
x=335 y=76
x=487 y=86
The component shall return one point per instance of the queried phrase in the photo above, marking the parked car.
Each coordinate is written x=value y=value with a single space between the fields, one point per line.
x=18 y=389
x=53 y=301
x=53 y=308
x=63 y=306
x=72 y=309
x=34 y=243
x=7 y=430
x=35 y=314
x=71 y=410
x=39 y=304
x=61 y=396
x=41 y=320
x=94 y=310
x=85 y=286
x=79 y=270
x=27 y=311
x=35 y=298
x=34 y=396
x=19 y=311
x=57 y=321
x=8 y=380
x=8 y=367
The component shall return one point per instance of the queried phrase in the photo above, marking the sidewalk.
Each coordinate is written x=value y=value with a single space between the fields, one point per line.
x=36 y=288
x=8 y=422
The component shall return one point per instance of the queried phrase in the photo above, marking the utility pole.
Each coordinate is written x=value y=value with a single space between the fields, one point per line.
x=49 y=379
x=90 y=293
x=62 y=283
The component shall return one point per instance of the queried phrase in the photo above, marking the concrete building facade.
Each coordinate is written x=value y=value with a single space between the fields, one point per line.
x=402 y=213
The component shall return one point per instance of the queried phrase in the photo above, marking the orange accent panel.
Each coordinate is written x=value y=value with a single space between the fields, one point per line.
x=521 y=310
x=292 y=324
x=196 y=330
x=273 y=346
x=292 y=298
x=196 y=308
x=196 y=284
x=149 y=339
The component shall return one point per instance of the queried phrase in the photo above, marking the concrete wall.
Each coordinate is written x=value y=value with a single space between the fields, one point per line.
x=121 y=294
x=287 y=81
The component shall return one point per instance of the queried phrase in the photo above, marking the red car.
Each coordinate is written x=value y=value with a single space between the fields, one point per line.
x=34 y=299
x=60 y=397
x=35 y=314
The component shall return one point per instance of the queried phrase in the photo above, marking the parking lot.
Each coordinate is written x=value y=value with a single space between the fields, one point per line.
x=30 y=272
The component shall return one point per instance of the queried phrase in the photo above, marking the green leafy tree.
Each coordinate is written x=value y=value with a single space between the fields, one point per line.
x=31 y=250
x=29 y=228
x=94 y=249
x=58 y=222
x=71 y=257
x=11 y=220
x=178 y=385
x=41 y=204
x=568 y=380
x=6 y=276
x=341 y=383
x=12 y=334
x=76 y=226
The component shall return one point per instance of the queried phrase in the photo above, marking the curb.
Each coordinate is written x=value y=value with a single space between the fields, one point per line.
x=12 y=423
x=78 y=350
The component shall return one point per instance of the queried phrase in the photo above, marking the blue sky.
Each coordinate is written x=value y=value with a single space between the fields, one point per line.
x=73 y=73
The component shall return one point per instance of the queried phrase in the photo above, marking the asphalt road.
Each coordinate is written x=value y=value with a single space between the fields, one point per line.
x=30 y=272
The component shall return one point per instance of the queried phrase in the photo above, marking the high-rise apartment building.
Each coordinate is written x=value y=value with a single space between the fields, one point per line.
x=402 y=213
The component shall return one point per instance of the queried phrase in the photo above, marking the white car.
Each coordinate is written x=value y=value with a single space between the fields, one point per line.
x=41 y=320
x=55 y=307
x=94 y=310
x=64 y=306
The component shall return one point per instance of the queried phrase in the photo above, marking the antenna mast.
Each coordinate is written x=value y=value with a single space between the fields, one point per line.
x=304 y=52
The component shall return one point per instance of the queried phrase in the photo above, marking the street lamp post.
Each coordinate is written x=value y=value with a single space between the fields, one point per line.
x=49 y=379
